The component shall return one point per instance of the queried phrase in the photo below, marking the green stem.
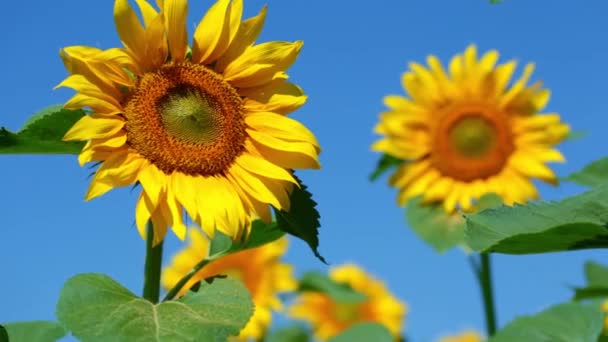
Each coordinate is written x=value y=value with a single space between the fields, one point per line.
x=484 y=275
x=175 y=290
x=154 y=257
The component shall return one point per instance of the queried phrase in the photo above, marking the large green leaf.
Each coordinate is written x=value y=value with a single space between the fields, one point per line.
x=3 y=334
x=302 y=218
x=569 y=322
x=385 y=164
x=293 y=333
x=34 y=331
x=96 y=308
x=43 y=133
x=314 y=281
x=594 y=174
x=364 y=332
x=578 y=222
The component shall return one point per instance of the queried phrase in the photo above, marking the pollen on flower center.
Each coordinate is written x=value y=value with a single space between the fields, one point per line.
x=473 y=136
x=471 y=142
x=346 y=312
x=184 y=117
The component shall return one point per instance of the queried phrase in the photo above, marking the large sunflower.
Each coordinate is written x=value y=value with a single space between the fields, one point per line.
x=467 y=132
x=329 y=318
x=201 y=129
x=259 y=269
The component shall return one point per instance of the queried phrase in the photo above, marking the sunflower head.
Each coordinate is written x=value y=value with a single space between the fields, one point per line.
x=202 y=127
x=329 y=317
x=260 y=270
x=466 y=131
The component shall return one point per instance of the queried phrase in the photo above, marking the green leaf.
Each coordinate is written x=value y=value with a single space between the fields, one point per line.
x=385 y=164
x=261 y=234
x=592 y=175
x=343 y=293
x=433 y=225
x=94 y=307
x=590 y=292
x=34 y=331
x=578 y=222
x=596 y=274
x=364 y=332
x=43 y=133
x=302 y=219
x=3 y=334
x=597 y=282
x=288 y=334
x=569 y=322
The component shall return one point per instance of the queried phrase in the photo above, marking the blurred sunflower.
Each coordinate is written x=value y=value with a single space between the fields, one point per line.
x=466 y=336
x=328 y=317
x=201 y=128
x=259 y=269
x=604 y=307
x=467 y=132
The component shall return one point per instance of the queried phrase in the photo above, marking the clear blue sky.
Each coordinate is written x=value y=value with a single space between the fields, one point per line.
x=354 y=54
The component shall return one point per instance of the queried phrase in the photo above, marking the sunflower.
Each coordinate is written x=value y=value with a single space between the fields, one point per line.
x=467 y=132
x=329 y=318
x=202 y=129
x=466 y=336
x=259 y=269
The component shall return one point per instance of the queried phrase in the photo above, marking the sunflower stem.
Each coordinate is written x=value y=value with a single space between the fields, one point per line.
x=175 y=290
x=154 y=257
x=484 y=276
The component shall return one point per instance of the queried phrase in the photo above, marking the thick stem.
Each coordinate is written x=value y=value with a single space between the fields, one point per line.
x=175 y=290
x=485 y=282
x=154 y=257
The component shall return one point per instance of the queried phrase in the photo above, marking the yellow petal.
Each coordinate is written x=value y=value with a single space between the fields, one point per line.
x=300 y=150
x=263 y=167
x=90 y=69
x=281 y=127
x=119 y=170
x=262 y=63
x=529 y=166
x=153 y=182
x=147 y=11
x=85 y=87
x=177 y=33
x=517 y=87
x=94 y=126
x=143 y=212
x=156 y=44
x=248 y=32
x=80 y=101
x=278 y=96
x=129 y=28
x=209 y=32
x=253 y=186
x=175 y=210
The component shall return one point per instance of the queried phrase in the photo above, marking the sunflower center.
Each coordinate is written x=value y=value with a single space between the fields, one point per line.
x=346 y=312
x=471 y=142
x=186 y=118
x=473 y=136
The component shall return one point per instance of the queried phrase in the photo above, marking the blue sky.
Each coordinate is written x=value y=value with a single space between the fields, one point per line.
x=354 y=54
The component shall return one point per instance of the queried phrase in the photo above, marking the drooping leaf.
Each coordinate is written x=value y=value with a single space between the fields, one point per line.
x=94 y=307
x=597 y=282
x=261 y=234
x=592 y=175
x=43 y=133
x=433 y=225
x=34 y=331
x=385 y=164
x=318 y=282
x=577 y=222
x=293 y=333
x=302 y=219
x=569 y=322
x=364 y=332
